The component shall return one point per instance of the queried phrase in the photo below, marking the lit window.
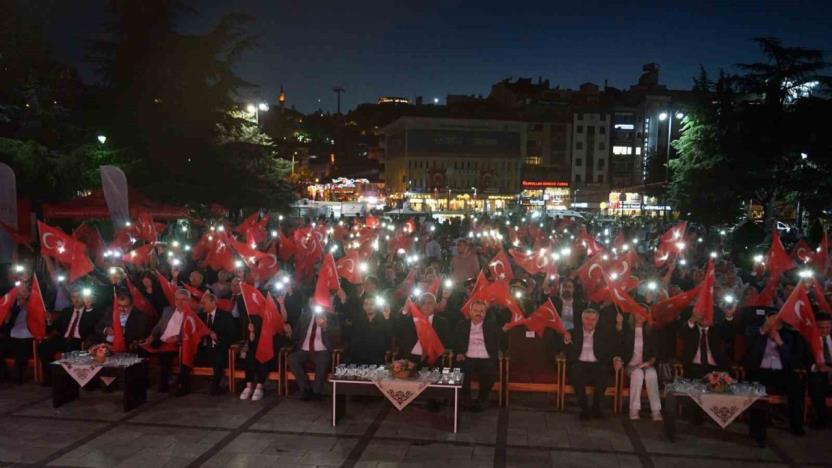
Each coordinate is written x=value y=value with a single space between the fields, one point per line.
x=534 y=160
x=622 y=150
x=638 y=151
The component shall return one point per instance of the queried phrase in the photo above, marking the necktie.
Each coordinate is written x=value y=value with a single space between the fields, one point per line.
x=827 y=354
x=703 y=347
x=313 y=334
x=76 y=317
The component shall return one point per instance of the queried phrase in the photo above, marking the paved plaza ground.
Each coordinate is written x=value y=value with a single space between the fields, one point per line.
x=203 y=430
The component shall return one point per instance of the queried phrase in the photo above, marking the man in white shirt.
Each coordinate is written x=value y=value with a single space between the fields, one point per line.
x=476 y=345
x=821 y=371
x=589 y=353
x=166 y=335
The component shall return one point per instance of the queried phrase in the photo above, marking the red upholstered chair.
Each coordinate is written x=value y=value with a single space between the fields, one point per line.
x=529 y=365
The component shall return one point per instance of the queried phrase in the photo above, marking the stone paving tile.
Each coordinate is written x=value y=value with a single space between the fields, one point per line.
x=13 y=396
x=135 y=445
x=29 y=440
x=675 y=462
x=315 y=417
x=417 y=423
x=201 y=410
x=284 y=450
x=814 y=447
x=564 y=430
x=94 y=404
x=707 y=440
x=404 y=453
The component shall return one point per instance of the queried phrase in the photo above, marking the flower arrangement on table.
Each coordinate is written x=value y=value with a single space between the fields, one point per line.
x=401 y=368
x=718 y=382
x=101 y=352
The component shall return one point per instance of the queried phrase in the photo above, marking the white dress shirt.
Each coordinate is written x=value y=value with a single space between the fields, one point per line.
x=122 y=319
x=417 y=348
x=696 y=358
x=74 y=324
x=319 y=340
x=174 y=326
x=567 y=314
x=638 y=347
x=587 y=348
x=771 y=357
x=476 y=343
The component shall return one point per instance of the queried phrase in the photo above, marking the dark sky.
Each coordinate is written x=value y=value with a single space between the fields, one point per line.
x=430 y=49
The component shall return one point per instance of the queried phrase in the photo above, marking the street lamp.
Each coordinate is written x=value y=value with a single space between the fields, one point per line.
x=102 y=139
x=256 y=109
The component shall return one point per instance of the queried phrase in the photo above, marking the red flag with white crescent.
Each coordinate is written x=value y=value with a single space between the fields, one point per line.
x=666 y=311
x=6 y=303
x=349 y=268
x=141 y=303
x=705 y=299
x=432 y=346
x=797 y=312
x=546 y=316
x=118 y=331
x=500 y=267
x=36 y=311
x=193 y=330
x=167 y=288
x=66 y=250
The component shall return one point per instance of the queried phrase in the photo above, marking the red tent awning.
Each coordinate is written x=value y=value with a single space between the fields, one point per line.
x=95 y=207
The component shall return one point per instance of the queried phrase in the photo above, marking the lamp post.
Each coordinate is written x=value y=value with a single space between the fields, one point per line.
x=679 y=115
x=256 y=109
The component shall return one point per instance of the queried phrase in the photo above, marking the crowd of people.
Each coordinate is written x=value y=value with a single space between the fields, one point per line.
x=643 y=298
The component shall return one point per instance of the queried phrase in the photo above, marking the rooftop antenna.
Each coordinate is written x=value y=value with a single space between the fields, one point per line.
x=338 y=90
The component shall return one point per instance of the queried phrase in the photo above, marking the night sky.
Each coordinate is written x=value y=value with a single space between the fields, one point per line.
x=432 y=49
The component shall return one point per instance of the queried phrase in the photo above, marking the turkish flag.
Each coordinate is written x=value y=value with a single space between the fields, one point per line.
x=167 y=288
x=309 y=251
x=253 y=228
x=479 y=285
x=546 y=316
x=219 y=255
x=624 y=302
x=141 y=303
x=821 y=257
x=820 y=299
x=273 y=324
x=432 y=347
x=778 y=260
x=90 y=236
x=6 y=303
x=802 y=252
x=287 y=246
x=662 y=254
x=17 y=236
x=499 y=293
x=327 y=283
x=409 y=226
x=588 y=242
x=371 y=221
x=797 y=312
x=348 y=268
x=36 y=311
x=666 y=311
x=500 y=267
x=400 y=241
x=118 y=332
x=705 y=299
x=674 y=234
x=193 y=330
x=196 y=293
x=139 y=256
x=533 y=262
x=145 y=228
x=263 y=264
x=591 y=274
x=66 y=250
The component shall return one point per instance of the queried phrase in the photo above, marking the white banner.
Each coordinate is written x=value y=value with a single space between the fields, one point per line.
x=114 y=183
x=8 y=210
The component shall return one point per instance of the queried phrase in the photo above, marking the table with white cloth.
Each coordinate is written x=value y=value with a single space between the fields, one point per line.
x=76 y=370
x=723 y=407
x=399 y=392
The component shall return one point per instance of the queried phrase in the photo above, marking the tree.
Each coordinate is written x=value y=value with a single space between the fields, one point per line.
x=170 y=98
x=703 y=187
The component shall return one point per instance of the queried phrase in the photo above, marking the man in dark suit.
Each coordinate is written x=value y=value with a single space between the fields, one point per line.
x=589 y=354
x=702 y=348
x=567 y=303
x=213 y=349
x=368 y=334
x=773 y=354
x=408 y=340
x=819 y=376
x=477 y=345
x=134 y=323
x=69 y=329
x=312 y=336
